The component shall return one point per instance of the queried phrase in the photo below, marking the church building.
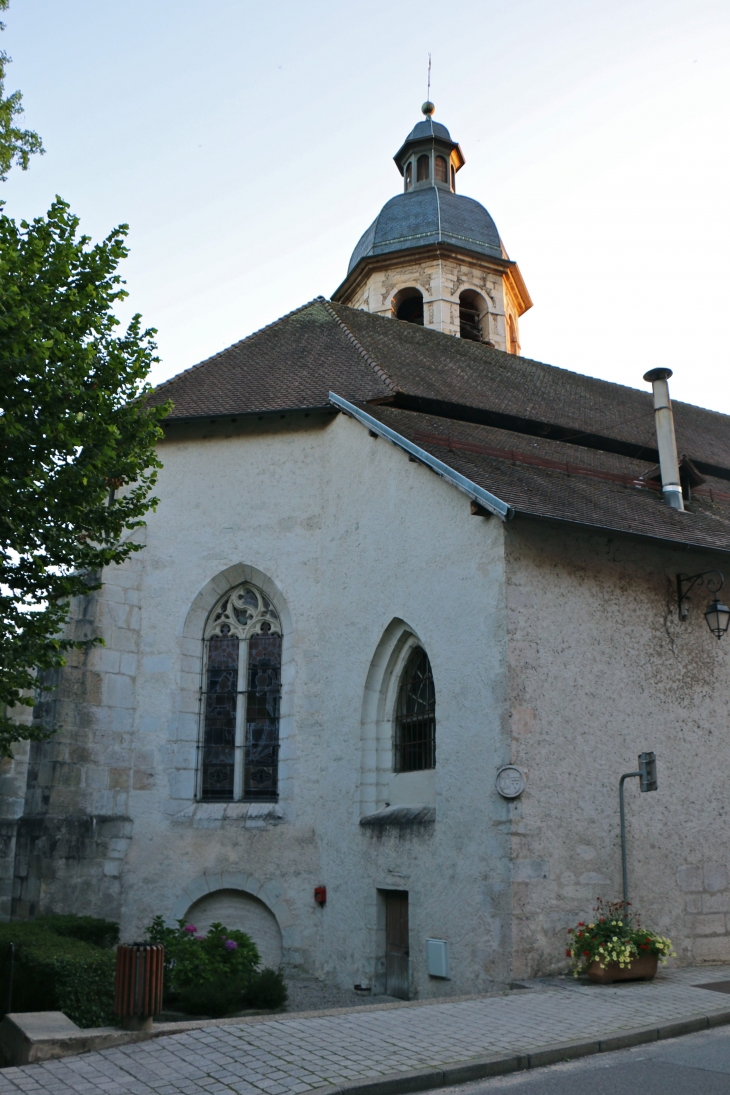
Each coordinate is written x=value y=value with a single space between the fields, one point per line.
x=409 y=607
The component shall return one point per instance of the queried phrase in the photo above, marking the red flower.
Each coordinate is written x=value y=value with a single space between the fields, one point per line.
x=568 y=954
x=587 y=954
x=581 y=923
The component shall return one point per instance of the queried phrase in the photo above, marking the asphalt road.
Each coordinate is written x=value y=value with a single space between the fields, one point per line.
x=698 y=1064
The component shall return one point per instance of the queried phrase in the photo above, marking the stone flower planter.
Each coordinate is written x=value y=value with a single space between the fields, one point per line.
x=641 y=969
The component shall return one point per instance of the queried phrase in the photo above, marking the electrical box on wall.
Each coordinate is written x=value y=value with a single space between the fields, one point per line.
x=437 y=958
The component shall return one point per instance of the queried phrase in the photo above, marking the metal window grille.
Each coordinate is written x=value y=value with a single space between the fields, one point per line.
x=415 y=722
x=240 y=702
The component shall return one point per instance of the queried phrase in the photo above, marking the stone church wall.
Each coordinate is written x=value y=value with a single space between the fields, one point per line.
x=348 y=536
x=602 y=669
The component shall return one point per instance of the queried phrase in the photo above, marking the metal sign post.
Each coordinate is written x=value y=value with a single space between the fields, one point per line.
x=647 y=776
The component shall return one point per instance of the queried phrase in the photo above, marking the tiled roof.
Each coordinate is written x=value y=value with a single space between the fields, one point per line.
x=594 y=488
x=292 y=364
x=440 y=386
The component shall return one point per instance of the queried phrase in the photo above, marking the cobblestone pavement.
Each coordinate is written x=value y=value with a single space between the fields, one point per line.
x=284 y=1055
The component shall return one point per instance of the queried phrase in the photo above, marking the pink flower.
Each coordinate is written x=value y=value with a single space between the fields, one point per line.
x=191 y=928
x=231 y=945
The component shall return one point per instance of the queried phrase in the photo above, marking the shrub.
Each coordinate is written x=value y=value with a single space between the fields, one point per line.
x=223 y=956
x=267 y=989
x=217 y=997
x=59 y=973
x=89 y=929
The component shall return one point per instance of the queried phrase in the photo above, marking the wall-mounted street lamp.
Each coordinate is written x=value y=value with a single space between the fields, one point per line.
x=647 y=776
x=717 y=614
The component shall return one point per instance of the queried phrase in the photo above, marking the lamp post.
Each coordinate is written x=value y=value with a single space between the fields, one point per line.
x=647 y=776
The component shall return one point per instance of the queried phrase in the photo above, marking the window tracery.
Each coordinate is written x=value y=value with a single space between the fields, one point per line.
x=415 y=720
x=240 y=699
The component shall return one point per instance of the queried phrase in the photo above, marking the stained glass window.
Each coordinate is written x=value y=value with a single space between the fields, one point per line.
x=240 y=700
x=415 y=720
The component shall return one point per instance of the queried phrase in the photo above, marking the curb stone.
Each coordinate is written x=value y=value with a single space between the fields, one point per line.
x=462 y=1072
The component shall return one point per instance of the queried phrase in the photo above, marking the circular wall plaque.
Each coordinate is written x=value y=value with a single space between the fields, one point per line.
x=510 y=781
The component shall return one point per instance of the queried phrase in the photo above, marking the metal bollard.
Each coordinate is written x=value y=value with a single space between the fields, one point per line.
x=138 y=984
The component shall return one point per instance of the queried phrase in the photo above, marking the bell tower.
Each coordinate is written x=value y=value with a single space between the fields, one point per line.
x=434 y=257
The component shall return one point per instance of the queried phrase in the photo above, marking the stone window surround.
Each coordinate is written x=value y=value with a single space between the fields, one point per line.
x=189 y=722
x=378 y=713
x=223 y=620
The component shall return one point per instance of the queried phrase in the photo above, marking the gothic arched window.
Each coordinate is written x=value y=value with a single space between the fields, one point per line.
x=409 y=175
x=440 y=171
x=240 y=699
x=415 y=718
x=422 y=170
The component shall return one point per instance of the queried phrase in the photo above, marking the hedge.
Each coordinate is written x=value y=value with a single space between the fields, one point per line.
x=54 y=972
x=89 y=929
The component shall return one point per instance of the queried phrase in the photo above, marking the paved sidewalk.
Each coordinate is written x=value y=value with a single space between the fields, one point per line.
x=435 y=1043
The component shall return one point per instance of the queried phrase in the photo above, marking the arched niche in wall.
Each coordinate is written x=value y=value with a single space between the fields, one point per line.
x=473 y=316
x=242 y=912
x=380 y=784
x=407 y=305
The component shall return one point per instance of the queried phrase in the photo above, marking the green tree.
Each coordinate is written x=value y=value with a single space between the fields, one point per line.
x=16 y=145
x=77 y=439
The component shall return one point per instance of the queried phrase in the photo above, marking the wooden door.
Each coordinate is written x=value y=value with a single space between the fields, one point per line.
x=396 y=944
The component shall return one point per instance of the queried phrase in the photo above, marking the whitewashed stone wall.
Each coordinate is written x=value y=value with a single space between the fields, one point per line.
x=602 y=669
x=346 y=535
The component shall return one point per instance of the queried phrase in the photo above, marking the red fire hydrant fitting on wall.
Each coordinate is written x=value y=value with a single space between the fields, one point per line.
x=320 y=894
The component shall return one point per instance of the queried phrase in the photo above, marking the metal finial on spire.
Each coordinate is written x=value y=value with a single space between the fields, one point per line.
x=428 y=107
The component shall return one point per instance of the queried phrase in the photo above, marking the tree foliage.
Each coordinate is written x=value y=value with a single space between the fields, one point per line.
x=77 y=440
x=16 y=145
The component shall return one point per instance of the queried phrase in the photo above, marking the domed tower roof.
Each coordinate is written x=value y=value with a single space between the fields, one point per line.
x=434 y=257
x=421 y=218
x=429 y=211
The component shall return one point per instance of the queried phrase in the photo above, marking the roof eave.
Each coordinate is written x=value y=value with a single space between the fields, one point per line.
x=518 y=287
x=618 y=530
x=367 y=263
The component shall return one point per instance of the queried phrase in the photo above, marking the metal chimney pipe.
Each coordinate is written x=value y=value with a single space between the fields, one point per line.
x=666 y=441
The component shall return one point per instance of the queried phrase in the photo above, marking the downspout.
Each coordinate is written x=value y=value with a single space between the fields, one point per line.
x=666 y=441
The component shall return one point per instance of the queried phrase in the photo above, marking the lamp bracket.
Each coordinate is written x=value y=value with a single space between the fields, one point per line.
x=687 y=582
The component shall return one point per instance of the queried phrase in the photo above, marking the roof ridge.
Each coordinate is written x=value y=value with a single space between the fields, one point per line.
x=259 y=331
x=359 y=347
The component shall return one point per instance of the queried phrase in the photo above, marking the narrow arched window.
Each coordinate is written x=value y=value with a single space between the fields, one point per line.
x=422 y=171
x=513 y=342
x=473 y=314
x=440 y=172
x=453 y=179
x=240 y=699
x=415 y=720
x=409 y=175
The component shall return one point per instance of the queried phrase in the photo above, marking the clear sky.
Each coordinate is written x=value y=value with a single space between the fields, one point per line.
x=249 y=145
